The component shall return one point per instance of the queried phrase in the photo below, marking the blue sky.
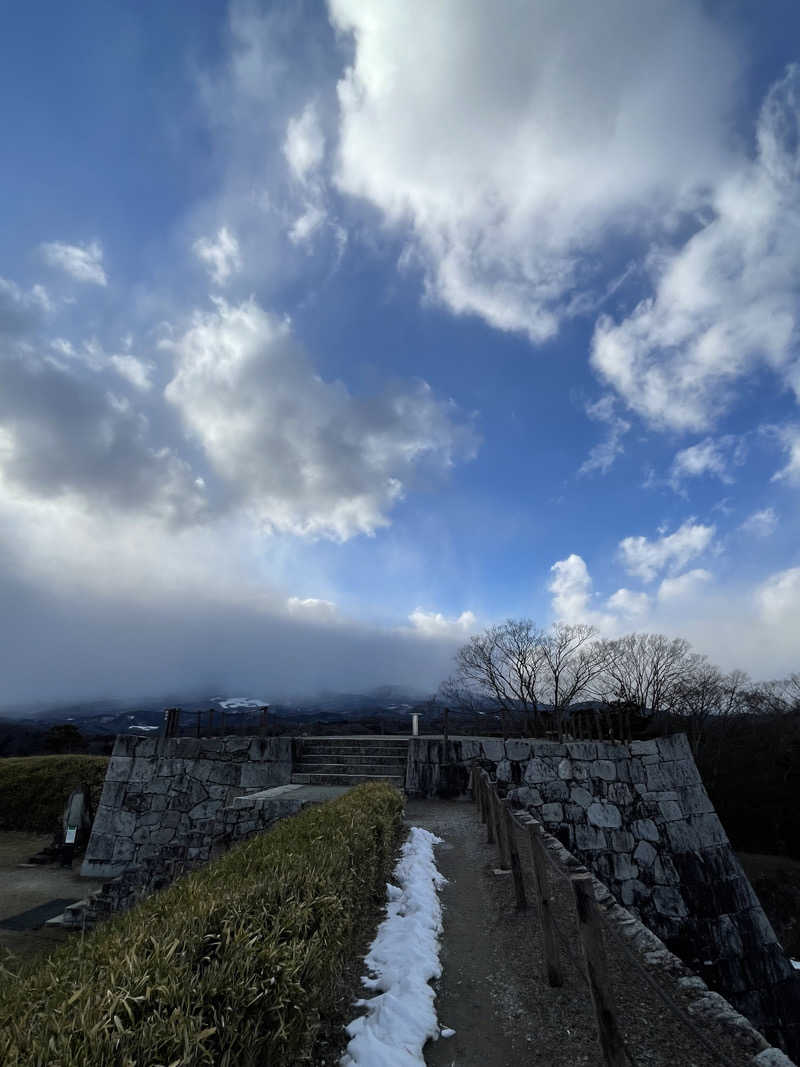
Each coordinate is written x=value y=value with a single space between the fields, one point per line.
x=330 y=333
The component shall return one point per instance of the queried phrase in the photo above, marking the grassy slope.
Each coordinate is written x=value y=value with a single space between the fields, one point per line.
x=34 y=789
x=235 y=964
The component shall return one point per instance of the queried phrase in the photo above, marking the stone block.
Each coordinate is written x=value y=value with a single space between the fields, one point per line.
x=119 y=769
x=664 y=871
x=163 y=835
x=645 y=830
x=525 y=797
x=112 y=794
x=644 y=748
x=554 y=791
x=633 y=893
x=644 y=854
x=565 y=768
x=580 y=771
x=207 y=809
x=552 y=813
x=635 y=771
x=604 y=815
x=620 y=793
x=237 y=747
x=536 y=770
x=574 y=813
x=657 y=777
x=622 y=841
x=581 y=796
x=142 y=770
x=548 y=749
x=101 y=848
x=517 y=750
x=159 y=803
x=261 y=775
x=124 y=849
x=123 y=823
x=583 y=750
x=589 y=839
x=493 y=749
x=675 y=747
x=683 y=837
x=503 y=772
x=670 y=810
x=708 y=829
x=695 y=801
x=229 y=773
x=668 y=901
x=622 y=867
x=142 y=835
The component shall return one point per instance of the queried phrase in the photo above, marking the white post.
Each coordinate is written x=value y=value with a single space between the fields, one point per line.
x=415 y=724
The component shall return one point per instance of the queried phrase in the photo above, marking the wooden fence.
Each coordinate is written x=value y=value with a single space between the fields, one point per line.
x=523 y=843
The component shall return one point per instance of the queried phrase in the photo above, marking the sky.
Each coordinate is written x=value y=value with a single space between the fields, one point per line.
x=331 y=334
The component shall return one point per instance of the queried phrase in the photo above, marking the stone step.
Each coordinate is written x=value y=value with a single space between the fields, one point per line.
x=353 y=757
x=356 y=748
x=397 y=780
x=330 y=766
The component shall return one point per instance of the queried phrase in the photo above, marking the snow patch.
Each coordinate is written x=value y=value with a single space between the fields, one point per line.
x=241 y=702
x=795 y=964
x=403 y=959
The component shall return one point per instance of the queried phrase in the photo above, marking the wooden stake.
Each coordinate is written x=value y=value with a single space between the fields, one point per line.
x=516 y=866
x=552 y=963
x=590 y=927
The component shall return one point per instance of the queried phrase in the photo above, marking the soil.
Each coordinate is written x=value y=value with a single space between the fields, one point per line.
x=22 y=888
x=493 y=993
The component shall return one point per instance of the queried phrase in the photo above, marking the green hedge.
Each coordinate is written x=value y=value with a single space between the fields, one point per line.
x=34 y=789
x=235 y=964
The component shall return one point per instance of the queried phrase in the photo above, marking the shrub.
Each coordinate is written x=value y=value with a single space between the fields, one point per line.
x=34 y=789
x=234 y=964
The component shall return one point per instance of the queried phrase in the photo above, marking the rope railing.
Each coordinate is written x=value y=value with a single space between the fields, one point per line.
x=522 y=841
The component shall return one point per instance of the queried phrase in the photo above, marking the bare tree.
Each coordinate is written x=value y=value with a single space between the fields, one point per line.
x=503 y=664
x=573 y=662
x=646 y=669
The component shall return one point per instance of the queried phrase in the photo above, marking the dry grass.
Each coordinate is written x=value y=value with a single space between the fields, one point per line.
x=235 y=964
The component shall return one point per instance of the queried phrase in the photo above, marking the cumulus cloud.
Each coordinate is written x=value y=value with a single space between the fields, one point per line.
x=601 y=456
x=478 y=132
x=65 y=434
x=726 y=302
x=629 y=605
x=84 y=263
x=779 y=596
x=434 y=624
x=644 y=558
x=220 y=255
x=683 y=585
x=789 y=438
x=306 y=455
x=306 y=224
x=713 y=456
x=312 y=608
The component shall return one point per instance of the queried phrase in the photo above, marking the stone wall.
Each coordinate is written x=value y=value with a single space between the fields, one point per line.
x=162 y=795
x=639 y=817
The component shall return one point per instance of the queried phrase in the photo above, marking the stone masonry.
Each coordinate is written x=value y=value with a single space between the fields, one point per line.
x=163 y=798
x=639 y=817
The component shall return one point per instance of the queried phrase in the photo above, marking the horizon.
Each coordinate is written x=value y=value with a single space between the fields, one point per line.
x=330 y=337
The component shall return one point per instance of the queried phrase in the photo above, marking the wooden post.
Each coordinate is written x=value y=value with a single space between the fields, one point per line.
x=590 y=927
x=516 y=866
x=199 y=713
x=552 y=963
x=223 y=722
x=487 y=792
x=499 y=827
x=262 y=726
x=210 y=722
x=481 y=794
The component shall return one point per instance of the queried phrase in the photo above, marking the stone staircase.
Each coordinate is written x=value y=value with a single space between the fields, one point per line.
x=350 y=760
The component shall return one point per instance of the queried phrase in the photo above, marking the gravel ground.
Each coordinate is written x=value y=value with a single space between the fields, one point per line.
x=22 y=888
x=492 y=992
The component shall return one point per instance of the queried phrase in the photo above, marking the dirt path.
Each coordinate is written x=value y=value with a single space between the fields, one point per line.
x=22 y=888
x=492 y=991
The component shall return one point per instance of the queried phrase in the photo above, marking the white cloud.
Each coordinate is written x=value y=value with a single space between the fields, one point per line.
x=726 y=302
x=789 y=437
x=304 y=146
x=306 y=225
x=312 y=608
x=21 y=310
x=629 y=604
x=220 y=255
x=601 y=456
x=683 y=585
x=778 y=598
x=713 y=456
x=82 y=262
x=136 y=371
x=645 y=558
x=307 y=456
x=434 y=624
x=761 y=523
x=512 y=146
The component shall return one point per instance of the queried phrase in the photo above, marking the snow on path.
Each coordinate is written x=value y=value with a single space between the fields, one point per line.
x=403 y=958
